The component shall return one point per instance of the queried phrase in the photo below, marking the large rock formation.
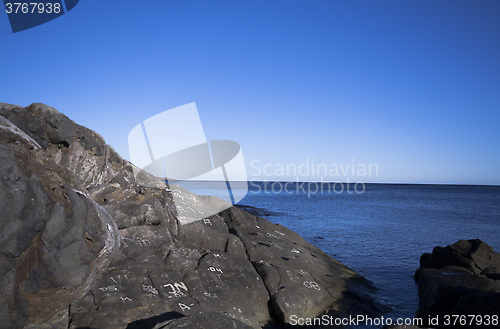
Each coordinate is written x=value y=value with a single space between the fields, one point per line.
x=460 y=283
x=55 y=238
x=65 y=194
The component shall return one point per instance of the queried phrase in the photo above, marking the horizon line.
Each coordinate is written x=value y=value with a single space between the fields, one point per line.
x=334 y=182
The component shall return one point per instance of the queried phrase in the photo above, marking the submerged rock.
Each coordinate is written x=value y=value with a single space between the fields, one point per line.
x=67 y=192
x=259 y=212
x=459 y=280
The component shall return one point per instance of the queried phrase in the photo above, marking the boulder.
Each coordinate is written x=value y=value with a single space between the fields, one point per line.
x=459 y=280
x=259 y=212
x=74 y=147
x=55 y=238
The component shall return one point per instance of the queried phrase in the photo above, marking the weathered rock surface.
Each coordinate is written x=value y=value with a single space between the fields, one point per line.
x=70 y=192
x=460 y=279
x=54 y=237
x=200 y=320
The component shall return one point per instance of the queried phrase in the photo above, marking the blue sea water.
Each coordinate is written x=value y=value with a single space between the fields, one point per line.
x=382 y=230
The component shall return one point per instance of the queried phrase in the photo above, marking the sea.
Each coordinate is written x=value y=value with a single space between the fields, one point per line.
x=380 y=230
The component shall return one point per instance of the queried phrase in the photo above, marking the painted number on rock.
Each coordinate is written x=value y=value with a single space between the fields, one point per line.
x=215 y=269
x=311 y=285
x=185 y=307
x=150 y=289
x=110 y=288
x=176 y=288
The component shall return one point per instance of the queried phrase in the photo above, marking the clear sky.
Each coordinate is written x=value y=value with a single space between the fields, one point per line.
x=412 y=86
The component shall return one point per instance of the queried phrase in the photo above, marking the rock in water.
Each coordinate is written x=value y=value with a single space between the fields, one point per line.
x=71 y=192
x=460 y=283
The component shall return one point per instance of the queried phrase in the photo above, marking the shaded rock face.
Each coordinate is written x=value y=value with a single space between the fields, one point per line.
x=460 y=279
x=77 y=204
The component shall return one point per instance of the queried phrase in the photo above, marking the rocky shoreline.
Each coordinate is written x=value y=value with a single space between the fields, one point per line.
x=89 y=244
x=90 y=241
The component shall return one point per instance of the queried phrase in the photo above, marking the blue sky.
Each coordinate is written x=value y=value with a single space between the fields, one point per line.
x=411 y=86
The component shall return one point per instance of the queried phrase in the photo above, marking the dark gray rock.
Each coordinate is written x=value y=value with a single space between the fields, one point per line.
x=473 y=255
x=259 y=212
x=230 y=284
x=173 y=279
x=492 y=272
x=55 y=239
x=58 y=321
x=459 y=280
x=201 y=320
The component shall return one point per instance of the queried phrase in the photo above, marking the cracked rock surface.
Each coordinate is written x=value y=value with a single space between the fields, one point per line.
x=71 y=205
